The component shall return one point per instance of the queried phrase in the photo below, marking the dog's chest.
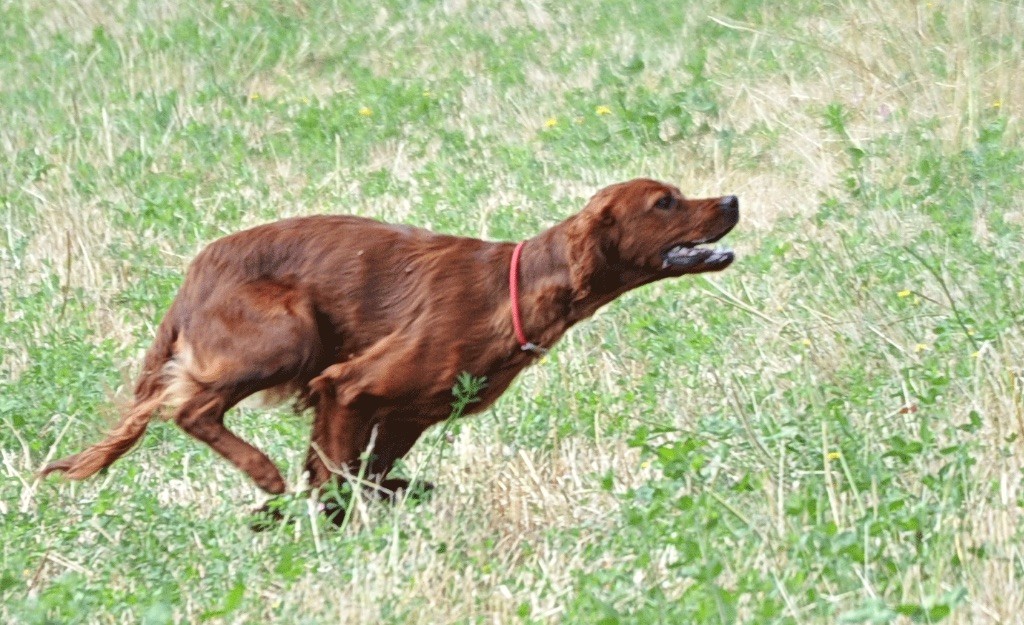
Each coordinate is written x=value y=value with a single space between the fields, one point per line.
x=433 y=402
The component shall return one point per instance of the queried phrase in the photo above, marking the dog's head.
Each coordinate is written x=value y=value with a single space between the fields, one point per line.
x=640 y=231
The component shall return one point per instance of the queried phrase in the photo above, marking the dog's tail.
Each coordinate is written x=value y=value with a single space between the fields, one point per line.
x=151 y=392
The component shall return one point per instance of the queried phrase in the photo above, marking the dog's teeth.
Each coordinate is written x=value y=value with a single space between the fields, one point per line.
x=690 y=254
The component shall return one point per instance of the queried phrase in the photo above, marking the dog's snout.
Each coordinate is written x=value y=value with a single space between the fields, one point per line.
x=730 y=207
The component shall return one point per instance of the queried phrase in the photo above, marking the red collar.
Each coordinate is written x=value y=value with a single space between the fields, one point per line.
x=513 y=295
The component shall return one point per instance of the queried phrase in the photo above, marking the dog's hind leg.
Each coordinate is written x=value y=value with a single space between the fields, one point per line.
x=259 y=336
x=203 y=417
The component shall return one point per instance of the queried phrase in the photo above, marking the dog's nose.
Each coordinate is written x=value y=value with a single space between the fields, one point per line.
x=730 y=205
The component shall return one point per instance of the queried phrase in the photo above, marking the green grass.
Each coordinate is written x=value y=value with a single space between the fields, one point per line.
x=830 y=431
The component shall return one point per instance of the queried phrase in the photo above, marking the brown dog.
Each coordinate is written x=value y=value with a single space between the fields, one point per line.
x=372 y=323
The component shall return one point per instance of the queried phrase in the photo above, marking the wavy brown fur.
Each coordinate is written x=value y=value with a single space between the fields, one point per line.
x=150 y=394
x=116 y=444
x=371 y=323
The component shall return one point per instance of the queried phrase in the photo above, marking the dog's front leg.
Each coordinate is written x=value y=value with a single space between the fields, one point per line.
x=337 y=428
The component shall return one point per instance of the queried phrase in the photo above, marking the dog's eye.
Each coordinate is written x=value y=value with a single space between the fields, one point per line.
x=665 y=202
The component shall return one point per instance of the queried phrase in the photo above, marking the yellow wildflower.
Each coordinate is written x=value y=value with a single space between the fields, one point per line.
x=806 y=342
x=834 y=455
x=603 y=110
x=921 y=347
x=997 y=104
x=551 y=122
x=903 y=293
x=366 y=111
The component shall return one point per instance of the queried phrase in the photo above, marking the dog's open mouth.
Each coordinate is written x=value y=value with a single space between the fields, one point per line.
x=697 y=256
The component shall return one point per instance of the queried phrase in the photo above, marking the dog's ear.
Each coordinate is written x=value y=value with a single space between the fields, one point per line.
x=589 y=238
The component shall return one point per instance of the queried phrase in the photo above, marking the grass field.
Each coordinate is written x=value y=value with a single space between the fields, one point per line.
x=830 y=431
